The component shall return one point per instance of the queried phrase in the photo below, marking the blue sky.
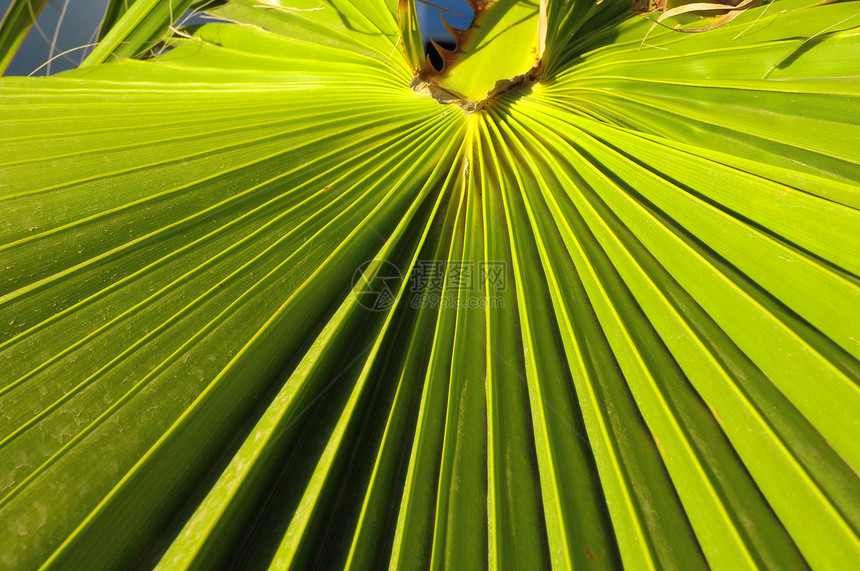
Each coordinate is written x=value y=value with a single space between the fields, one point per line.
x=429 y=17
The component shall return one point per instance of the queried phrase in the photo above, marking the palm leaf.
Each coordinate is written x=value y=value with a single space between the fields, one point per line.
x=17 y=21
x=131 y=27
x=620 y=317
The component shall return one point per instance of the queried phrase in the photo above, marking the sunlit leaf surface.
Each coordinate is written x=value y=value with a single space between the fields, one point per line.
x=261 y=304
